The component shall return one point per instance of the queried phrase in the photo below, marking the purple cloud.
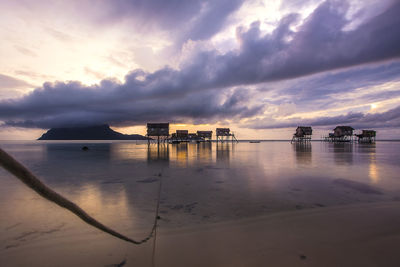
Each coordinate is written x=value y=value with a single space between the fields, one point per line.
x=388 y=119
x=201 y=88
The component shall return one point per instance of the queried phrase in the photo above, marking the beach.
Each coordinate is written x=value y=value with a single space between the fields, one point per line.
x=267 y=204
x=355 y=235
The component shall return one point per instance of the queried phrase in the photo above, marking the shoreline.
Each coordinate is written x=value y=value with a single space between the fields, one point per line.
x=346 y=235
x=351 y=235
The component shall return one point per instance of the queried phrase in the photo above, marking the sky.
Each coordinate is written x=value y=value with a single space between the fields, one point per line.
x=258 y=67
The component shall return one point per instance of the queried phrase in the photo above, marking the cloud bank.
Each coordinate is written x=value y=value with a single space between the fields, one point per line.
x=209 y=85
x=388 y=119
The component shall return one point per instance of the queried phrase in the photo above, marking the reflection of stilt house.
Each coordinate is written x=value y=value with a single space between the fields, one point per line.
x=205 y=135
x=341 y=134
x=204 y=150
x=367 y=136
x=159 y=130
x=303 y=134
x=342 y=152
x=223 y=151
x=157 y=154
x=303 y=152
x=223 y=134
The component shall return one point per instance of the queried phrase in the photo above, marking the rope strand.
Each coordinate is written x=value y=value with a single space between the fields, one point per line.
x=23 y=174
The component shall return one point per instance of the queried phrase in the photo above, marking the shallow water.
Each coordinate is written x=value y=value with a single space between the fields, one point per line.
x=117 y=183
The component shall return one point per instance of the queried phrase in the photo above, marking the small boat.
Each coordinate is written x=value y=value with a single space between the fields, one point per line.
x=175 y=142
x=255 y=141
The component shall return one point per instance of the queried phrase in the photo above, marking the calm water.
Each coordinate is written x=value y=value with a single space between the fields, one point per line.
x=117 y=183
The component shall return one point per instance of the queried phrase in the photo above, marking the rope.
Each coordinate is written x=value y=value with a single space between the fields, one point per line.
x=155 y=223
x=23 y=174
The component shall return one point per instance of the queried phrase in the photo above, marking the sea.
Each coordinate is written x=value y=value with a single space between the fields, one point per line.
x=121 y=183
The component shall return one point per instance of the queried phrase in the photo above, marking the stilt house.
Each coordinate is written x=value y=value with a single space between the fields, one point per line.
x=342 y=131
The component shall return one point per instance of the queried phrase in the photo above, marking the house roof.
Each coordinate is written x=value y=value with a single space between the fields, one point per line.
x=345 y=128
x=305 y=127
x=158 y=125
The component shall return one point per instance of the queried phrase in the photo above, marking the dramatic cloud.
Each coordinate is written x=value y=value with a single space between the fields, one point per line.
x=320 y=44
x=192 y=19
x=209 y=84
x=182 y=20
x=388 y=119
x=339 y=88
x=71 y=104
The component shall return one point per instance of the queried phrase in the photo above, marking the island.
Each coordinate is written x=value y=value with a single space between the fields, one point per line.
x=98 y=132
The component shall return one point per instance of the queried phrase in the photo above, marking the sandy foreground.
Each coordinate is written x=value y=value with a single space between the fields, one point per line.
x=352 y=235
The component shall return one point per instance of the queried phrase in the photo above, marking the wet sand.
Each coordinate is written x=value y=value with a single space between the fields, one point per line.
x=351 y=235
x=267 y=204
x=356 y=235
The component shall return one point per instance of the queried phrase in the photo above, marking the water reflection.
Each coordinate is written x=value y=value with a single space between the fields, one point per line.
x=369 y=150
x=204 y=151
x=303 y=153
x=118 y=182
x=60 y=151
x=224 y=151
x=128 y=151
x=104 y=200
x=373 y=171
x=180 y=153
x=159 y=154
x=342 y=153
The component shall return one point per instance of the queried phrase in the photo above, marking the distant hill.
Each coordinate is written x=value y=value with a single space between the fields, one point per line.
x=101 y=132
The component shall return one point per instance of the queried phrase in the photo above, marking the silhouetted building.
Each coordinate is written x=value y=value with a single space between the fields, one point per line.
x=341 y=134
x=342 y=131
x=302 y=134
x=183 y=136
x=159 y=130
x=192 y=136
x=225 y=133
x=205 y=135
x=367 y=136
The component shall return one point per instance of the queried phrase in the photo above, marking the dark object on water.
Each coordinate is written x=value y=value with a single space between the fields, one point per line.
x=122 y=263
x=303 y=257
x=255 y=141
x=85 y=148
x=158 y=217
